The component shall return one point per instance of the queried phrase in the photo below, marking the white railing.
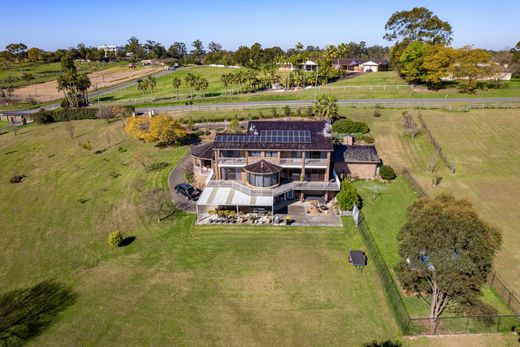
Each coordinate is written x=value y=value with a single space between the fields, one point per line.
x=291 y=161
x=325 y=186
x=232 y=161
x=201 y=170
x=338 y=182
x=321 y=162
x=210 y=176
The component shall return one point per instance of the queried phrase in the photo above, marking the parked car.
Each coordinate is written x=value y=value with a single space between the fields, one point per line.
x=187 y=190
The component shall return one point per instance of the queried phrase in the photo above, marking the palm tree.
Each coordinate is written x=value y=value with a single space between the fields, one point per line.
x=190 y=80
x=202 y=85
x=142 y=86
x=225 y=80
x=325 y=107
x=151 y=83
x=176 y=83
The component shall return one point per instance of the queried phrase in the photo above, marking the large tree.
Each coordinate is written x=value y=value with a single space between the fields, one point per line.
x=447 y=252
x=418 y=24
x=178 y=50
x=470 y=66
x=198 y=50
x=73 y=84
x=326 y=107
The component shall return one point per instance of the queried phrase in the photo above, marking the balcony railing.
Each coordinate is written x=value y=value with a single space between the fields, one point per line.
x=232 y=161
x=316 y=186
x=291 y=161
x=316 y=162
x=299 y=161
x=202 y=170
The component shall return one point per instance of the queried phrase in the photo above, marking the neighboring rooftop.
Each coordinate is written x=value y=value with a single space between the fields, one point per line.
x=302 y=135
x=354 y=62
x=355 y=154
x=262 y=167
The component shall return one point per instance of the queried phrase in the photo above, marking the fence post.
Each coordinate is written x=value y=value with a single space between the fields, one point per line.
x=467 y=324
x=498 y=324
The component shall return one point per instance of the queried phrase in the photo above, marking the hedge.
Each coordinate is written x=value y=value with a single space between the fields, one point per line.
x=64 y=114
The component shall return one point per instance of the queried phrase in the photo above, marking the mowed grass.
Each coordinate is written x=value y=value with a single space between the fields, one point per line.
x=176 y=284
x=164 y=88
x=487 y=156
x=43 y=72
x=372 y=78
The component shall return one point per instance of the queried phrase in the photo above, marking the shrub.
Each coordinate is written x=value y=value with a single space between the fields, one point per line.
x=17 y=179
x=188 y=173
x=156 y=166
x=367 y=138
x=348 y=196
x=377 y=113
x=287 y=111
x=115 y=239
x=121 y=149
x=64 y=114
x=87 y=145
x=387 y=172
x=347 y=126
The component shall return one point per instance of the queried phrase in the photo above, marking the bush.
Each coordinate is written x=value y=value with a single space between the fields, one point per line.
x=64 y=114
x=86 y=145
x=188 y=173
x=17 y=179
x=348 y=196
x=367 y=138
x=377 y=113
x=387 y=172
x=115 y=239
x=347 y=126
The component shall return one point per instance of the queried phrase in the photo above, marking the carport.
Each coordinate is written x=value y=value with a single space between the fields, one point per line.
x=228 y=196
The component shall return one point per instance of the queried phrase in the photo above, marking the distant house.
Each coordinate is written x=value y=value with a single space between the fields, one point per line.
x=111 y=49
x=309 y=65
x=361 y=65
x=157 y=62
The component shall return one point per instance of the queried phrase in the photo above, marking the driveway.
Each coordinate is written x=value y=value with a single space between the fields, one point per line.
x=177 y=176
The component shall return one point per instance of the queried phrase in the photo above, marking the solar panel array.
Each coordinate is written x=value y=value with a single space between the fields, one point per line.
x=269 y=136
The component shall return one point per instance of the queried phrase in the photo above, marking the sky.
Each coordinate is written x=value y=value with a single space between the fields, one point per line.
x=61 y=24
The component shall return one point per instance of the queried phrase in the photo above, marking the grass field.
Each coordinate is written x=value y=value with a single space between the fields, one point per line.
x=483 y=145
x=379 y=78
x=43 y=72
x=175 y=284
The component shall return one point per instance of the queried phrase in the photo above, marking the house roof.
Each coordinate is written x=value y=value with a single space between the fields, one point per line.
x=262 y=167
x=302 y=135
x=203 y=151
x=355 y=154
x=354 y=62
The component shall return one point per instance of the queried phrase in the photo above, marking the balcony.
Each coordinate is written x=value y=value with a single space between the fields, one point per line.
x=202 y=170
x=232 y=161
x=289 y=162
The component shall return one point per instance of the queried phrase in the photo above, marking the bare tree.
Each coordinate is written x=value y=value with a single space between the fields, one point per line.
x=409 y=124
x=158 y=203
x=105 y=112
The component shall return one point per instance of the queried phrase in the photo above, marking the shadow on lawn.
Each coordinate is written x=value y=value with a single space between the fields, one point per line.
x=127 y=240
x=26 y=313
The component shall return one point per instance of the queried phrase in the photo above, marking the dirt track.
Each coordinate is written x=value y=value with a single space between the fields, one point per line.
x=47 y=91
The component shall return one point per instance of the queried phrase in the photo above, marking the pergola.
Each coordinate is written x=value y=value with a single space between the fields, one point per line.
x=229 y=196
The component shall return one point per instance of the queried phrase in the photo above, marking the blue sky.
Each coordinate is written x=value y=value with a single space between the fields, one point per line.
x=56 y=24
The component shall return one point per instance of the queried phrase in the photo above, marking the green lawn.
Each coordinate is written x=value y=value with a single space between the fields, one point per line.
x=374 y=78
x=164 y=91
x=483 y=145
x=176 y=284
x=43 y=72
x=385 y=207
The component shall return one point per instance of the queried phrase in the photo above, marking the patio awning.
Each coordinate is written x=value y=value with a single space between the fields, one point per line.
x=227 y=196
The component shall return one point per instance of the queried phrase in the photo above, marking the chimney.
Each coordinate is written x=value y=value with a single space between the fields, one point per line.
x=348 y=140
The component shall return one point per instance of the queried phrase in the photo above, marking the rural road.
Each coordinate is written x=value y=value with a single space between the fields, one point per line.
x=342 y=102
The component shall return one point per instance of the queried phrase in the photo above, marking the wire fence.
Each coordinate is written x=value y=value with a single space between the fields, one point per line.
x=445 y=324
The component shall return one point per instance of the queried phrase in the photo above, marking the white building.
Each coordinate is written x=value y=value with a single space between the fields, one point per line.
x=111 y=49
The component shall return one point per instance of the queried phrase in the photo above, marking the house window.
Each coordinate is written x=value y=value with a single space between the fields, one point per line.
x=230 y=173
x=229 y=154
x=296 y=155
x=254 y=153
x=262 y=180
x=271 y=154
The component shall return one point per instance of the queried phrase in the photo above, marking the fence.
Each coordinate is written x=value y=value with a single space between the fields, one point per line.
x=444 y=325
x=415 y=185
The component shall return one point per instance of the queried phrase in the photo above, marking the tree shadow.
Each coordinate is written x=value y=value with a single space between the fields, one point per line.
x=127 y=240
x=26 y=313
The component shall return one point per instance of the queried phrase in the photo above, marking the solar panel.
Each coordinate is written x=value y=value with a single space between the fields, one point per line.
x=269 y=136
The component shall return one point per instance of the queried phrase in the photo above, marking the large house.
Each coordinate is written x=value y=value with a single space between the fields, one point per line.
x=361 y=65
x=275 y=162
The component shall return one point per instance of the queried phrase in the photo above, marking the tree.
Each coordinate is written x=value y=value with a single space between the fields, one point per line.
x=176 y=83
x=158 y=203
x=35 y=54
x=326 y=107
x=347 y=196
x=166 y=130
x=178 y=50
x=73 y=85
x=412 y=62
x=18 y=50
x=214 y=47
x=115 y=239
x=418 y=24
x=234 y=126
x=436 y=64
x=469 y=66
x=151 y=84
x=121 y=113
x=198 y=50
x=447 y=252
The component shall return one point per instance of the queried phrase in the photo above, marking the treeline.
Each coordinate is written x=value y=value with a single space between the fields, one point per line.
x=422 y=53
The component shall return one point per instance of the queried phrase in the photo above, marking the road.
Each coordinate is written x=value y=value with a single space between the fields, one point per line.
x=342 y=102
x=92 y=95
x=177 y=176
